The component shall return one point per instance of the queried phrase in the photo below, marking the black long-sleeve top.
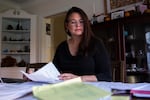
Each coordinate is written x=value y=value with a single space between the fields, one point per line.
x=96 y=63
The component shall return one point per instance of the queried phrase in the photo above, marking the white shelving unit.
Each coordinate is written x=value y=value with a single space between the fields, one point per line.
x=18 y=36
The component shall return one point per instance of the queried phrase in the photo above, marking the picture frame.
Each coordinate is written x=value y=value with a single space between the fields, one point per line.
x=48 y=28
x=115 y=5
x=117 y=14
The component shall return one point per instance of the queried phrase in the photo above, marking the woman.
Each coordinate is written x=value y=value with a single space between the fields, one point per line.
x=82 y=55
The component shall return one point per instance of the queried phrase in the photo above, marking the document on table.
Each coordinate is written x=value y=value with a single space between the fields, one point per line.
x=142 y=91
x=137 y=89
x=73 y=89
x=16 y=90
x=47 y=73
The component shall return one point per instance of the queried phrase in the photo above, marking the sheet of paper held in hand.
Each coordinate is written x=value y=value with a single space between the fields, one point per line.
x=73 y=89
x=47 y=73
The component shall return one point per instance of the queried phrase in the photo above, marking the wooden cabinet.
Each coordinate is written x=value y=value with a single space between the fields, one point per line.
x=18 y=37
x=109 y=32
x=125 y=40
x=136 y=33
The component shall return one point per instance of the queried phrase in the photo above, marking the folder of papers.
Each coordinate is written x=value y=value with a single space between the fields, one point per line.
x=142 y=91
x=73 y=89
x=136 y=89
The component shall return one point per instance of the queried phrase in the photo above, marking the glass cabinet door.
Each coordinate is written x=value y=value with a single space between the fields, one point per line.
x=136 y=50
x=107 y=32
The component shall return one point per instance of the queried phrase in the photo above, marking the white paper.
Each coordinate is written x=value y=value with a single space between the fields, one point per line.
x=125 y=86
x=117 y=85
x=16 y=90
x=47 y=73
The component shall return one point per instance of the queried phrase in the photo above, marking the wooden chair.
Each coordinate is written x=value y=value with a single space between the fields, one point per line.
x=118 y=71
x=34 y=67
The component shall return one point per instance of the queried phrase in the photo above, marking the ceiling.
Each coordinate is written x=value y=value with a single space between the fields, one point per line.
x=23 y=4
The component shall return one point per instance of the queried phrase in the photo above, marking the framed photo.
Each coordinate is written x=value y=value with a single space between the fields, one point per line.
x=115 y=5
x=117 y=14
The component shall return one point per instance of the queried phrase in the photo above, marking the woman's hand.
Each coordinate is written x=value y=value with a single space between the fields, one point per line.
x=67 y=76
x=89 y=78
x=84 y=78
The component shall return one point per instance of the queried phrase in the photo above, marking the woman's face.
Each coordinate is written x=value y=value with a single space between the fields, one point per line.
x=75 y=24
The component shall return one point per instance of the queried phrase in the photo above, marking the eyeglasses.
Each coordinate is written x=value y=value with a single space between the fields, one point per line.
x=75 y=23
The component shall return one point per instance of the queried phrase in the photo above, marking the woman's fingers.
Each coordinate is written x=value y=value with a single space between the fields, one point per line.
x=67 y=76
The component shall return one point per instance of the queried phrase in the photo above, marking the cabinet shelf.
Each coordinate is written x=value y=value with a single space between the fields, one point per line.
x=17 y=31
x=18 y=39
x=15 y=42
x=16 y=53
x=131 y=44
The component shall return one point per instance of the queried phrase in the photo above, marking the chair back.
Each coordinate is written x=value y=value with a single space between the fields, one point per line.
x=34 y=67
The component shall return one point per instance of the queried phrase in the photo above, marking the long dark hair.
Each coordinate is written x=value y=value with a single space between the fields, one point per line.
x=84 y=46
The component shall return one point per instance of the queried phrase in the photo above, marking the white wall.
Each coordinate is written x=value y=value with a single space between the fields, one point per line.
x=48 y=8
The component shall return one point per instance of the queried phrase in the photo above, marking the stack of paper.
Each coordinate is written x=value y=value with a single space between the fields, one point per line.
x=136 y=89
x=142 y=91
x=47 y=73
x=73 y=89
